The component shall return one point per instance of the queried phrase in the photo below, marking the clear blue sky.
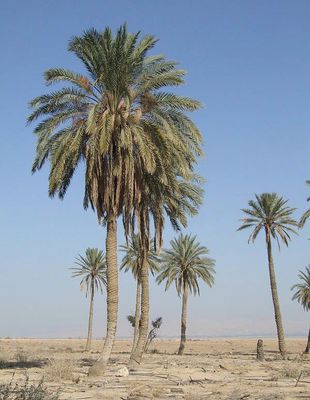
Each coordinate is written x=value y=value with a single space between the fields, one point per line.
x=248 y=62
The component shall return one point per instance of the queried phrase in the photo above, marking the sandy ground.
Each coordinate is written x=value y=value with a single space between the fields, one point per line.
x=210 y=369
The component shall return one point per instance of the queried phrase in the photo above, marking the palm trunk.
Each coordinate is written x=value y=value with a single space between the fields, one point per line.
x=307 y=349
x=183 y=320
x=136 y=355
x=275 y=298
x=137 y=316
x=90 y=317
x=112 y=298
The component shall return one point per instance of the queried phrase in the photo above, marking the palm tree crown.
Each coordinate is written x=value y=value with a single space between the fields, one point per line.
x=185 y=263
x=271 y=213
x=302 y=293
x=118 y=118
x=92 y=269
x=132 y=259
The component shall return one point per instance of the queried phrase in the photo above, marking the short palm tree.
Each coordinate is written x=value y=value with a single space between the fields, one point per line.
x=92 y=269
x=306 y=214
x=120 y=121
x=132 y=261
x=271 y=214
x=184 y=264
x=302 y=295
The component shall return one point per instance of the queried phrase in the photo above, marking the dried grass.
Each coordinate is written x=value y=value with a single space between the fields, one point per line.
x=26 y=391
x=59 y=370
x=21 y=357
x=4 y=358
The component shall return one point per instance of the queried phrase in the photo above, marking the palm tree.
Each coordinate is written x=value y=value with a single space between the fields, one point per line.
x=302 y=295
x=184 y=264
x=306 y=214
x=92 y=269
x=271 y=214
x=132 y=261
x=120 y=121
x=177 y=200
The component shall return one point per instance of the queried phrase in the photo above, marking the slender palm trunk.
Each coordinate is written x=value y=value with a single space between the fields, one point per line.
x=137 y=316
x=90 y=317
x=275 y=298
x=112 y=298
x=307 y=349
x=183 y=320
x=136 y=355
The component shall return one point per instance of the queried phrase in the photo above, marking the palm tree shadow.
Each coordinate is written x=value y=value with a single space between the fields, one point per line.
x=23 y=364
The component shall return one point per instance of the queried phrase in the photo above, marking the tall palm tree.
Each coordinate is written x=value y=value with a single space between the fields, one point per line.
x=271 y=214
x=177 y=200
x=132 y=261
x=120 y=122
x=92 y=269
x=302 y=295
x=306 y=214
x=184 y=264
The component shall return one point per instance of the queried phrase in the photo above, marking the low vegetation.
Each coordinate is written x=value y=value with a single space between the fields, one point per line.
x=59 y=370
x=26 y=391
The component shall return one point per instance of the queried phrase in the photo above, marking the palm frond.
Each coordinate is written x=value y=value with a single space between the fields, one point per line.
x=185 y=263
x=270 y=213
x=302 y=289
x=92 y=269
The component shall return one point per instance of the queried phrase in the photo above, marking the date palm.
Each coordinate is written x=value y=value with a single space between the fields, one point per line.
x=176 y=200
x=92 y=269
x=184 y=264
x=302 y=295
x=306 y=214
x=132 y=262
x=117 y=120
x=270 y=213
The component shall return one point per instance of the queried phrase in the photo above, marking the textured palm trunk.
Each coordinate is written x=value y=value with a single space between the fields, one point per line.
x=137 y=316
x=183 y=321
x=275 y=298
x=90 y=318
x=136 y=355
x=307 y=349
x=112 y=298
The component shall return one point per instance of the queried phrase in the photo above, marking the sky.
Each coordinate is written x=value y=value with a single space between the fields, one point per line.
x=248 y=62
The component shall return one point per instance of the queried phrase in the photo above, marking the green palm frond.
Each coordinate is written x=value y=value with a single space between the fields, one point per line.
x=92 y=269
x=121 y=119
x=302 y=290
x=185 y=263
x=272 y=214
x=132 y=258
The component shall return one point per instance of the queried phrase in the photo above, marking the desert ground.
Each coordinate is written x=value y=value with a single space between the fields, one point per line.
x=210 y=369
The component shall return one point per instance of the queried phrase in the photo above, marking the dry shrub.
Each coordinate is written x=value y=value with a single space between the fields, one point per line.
x=21 y=357
x=143 y=391
x=26 y=391
x=290 y=371
x=68 y=350
x=59 y=370
x=4 y=359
